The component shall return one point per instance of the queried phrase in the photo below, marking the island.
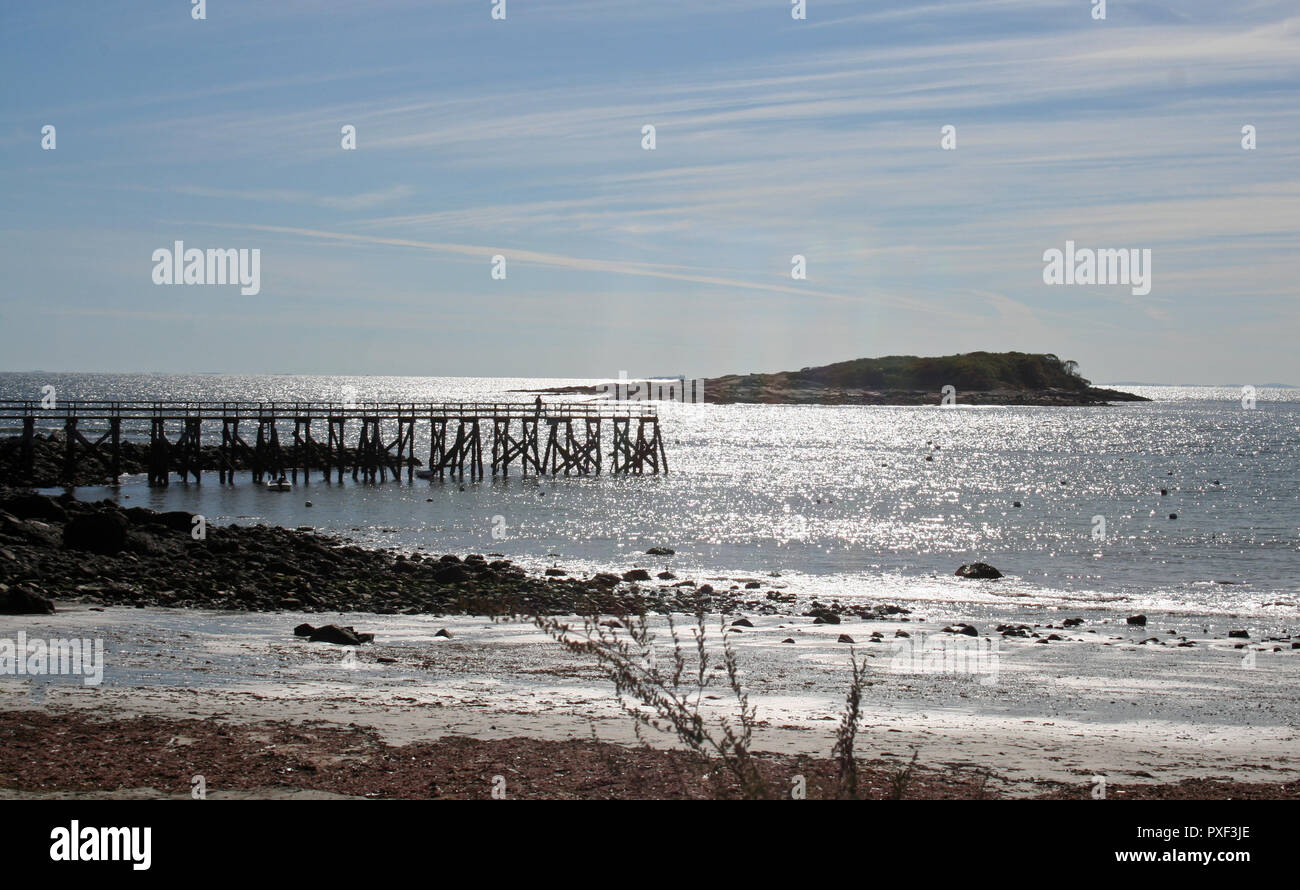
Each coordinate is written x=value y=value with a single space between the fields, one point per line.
x=975 y=378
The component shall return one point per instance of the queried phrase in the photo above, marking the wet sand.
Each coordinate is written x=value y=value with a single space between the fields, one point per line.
x=1095 y=702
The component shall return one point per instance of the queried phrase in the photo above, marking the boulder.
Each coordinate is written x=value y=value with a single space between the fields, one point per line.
x=1138 y=620
x=177 y=520
x=1239 y=634
x=844 y=638
x=978 y=570
x=636 y=575
x=303 y=630
x=34 y=506
x=342 y=636
x=660 y=551
x=21 y=601
x=103 y=533
x=450 y=573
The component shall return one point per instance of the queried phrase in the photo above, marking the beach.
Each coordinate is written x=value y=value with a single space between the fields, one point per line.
x=1096 y=702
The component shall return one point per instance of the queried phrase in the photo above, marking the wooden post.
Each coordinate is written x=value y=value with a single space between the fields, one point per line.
x=115 y=431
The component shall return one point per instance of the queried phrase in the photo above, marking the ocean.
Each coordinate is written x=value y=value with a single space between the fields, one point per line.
x=835 y=502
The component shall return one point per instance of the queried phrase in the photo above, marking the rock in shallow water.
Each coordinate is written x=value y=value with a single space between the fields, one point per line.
x=979 y=571
x=342 y=636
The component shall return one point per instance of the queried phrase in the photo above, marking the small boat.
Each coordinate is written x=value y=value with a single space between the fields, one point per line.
x=424 y=474
x=281 y=484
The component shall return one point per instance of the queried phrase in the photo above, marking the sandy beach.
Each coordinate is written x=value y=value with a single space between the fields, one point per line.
x=1045 y=718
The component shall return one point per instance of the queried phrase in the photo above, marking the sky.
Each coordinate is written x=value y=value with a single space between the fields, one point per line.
x=522 y=137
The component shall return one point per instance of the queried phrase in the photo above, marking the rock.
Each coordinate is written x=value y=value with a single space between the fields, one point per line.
x=636 y=575
x=1138 y=620
x=556 y=573
x=822 y=616
x=742 y=622
x=605 y=579
x=788 y=640
x=844 y=638
x=450 y=573
x=1239 y=634
x=103 y=533
x=965 y=629
x=444 y=633
x=303 y=630
x=752 y=585
x=902 y=633
x=979 y=571
x=342 y=636
x=666 y=576
x=660 y=551
x=22 y=601
x=177 y=520
x=34 y=506
x=705 y=589
x=1072 y=622
x=383 y=659
x=613 y=623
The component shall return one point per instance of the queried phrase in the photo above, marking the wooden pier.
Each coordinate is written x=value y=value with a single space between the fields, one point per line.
x=281 y=439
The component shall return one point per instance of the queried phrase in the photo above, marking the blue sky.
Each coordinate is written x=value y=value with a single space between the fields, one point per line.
x=774 y=137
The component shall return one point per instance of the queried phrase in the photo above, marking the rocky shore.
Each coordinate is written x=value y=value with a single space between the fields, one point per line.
x=59 y=548
x=48 y=462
